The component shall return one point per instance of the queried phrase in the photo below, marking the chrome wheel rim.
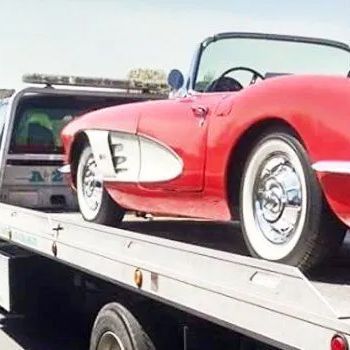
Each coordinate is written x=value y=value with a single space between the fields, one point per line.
x=92 y=184
x=110 y=341
x=277 y=198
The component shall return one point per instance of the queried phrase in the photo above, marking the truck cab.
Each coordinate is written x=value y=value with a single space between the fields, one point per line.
x=30 y=124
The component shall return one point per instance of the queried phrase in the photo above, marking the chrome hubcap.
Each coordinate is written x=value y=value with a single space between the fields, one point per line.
x=92 y=184
x=109 y=341
x=277 y=198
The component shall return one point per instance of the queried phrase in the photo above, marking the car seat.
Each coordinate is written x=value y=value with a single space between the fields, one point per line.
x=40 y=135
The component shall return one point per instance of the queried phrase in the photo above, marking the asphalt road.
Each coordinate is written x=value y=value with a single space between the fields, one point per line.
x=6 y=341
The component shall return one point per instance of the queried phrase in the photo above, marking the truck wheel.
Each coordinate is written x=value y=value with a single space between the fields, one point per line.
x=282 y=210
x=116 y=328
x=94 y=201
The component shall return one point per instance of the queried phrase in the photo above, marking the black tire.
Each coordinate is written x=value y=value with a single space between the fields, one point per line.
x=107 y=212
x=116 y=321
x=319 y=232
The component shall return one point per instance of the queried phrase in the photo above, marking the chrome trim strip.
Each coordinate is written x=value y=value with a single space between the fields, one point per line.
x=65 y=169
x=36 y=156
x=332 y=166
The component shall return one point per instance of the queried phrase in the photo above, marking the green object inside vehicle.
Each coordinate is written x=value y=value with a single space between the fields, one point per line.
x=33 y=118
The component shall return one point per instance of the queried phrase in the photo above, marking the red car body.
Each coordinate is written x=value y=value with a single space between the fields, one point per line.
x=316 y=108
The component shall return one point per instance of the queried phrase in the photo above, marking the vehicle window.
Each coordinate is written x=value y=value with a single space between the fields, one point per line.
x=40 y=119
x=37 y=130
x=3 y=109
x=268 y=57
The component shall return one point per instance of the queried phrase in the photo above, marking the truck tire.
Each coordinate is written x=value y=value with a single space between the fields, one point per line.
x=95 y=203
x=115 y=328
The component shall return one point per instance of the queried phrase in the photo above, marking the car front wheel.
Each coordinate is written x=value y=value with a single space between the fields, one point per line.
x=283 y=214
x=95 y=203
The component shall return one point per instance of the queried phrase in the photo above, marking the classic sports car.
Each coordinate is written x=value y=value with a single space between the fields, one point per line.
x=259 y=131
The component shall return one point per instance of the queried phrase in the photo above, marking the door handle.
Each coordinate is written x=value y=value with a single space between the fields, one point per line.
x=199 y=111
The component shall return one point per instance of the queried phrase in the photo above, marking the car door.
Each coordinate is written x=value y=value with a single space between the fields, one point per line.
x=181 y=125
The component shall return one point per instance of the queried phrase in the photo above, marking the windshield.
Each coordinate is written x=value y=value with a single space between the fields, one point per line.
x=267 y=57
x=3 y=109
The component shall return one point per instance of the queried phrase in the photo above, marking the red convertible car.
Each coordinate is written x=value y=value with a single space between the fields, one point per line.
x=259 y=131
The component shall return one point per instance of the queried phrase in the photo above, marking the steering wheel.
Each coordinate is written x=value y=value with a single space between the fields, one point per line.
x=238 y=85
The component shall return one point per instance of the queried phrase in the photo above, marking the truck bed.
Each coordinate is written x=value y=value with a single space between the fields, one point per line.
x=200 y=267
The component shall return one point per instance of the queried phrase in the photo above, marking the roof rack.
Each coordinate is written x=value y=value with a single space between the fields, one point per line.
x=93 y=82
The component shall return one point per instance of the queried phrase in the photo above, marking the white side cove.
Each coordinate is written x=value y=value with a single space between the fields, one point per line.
x=332 y=166
x=124 y=157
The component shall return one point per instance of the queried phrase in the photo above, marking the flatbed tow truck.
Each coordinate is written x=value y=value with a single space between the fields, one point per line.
x=274 y=304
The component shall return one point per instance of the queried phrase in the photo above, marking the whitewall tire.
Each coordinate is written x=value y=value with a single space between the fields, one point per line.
x=282 y=210
x=94 y=202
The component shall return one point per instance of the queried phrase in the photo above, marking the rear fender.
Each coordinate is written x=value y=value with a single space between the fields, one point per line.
x=317 y=108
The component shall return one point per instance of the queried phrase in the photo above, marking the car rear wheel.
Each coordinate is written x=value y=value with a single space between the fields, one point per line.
x=283 y=214
x=95 y=203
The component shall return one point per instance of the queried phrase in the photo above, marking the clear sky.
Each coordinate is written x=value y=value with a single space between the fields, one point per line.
x=110 y=37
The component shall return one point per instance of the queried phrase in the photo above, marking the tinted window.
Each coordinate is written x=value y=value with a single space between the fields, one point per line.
x=39 y=121
x=38 y=129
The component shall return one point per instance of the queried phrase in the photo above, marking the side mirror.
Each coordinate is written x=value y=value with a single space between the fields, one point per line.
x=175 y=79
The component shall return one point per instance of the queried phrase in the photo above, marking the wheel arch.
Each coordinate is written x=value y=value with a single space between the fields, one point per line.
x=241 y=150
x=80 y=141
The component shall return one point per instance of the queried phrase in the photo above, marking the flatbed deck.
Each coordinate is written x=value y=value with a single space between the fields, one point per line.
x=199 y=267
